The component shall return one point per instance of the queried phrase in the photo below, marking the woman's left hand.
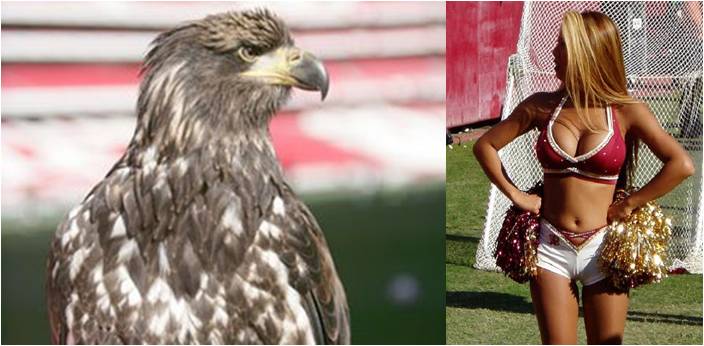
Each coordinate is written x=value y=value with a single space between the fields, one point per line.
x=619 y=210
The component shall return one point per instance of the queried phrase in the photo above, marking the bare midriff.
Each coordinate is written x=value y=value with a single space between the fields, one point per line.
x=574 y=204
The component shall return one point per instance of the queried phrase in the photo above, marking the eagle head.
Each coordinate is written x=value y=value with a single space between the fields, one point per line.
x=229 y=71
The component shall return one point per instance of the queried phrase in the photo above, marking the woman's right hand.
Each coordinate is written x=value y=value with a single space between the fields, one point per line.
x=528 y=202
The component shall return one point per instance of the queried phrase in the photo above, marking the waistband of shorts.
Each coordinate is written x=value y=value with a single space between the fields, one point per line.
x=566 y=240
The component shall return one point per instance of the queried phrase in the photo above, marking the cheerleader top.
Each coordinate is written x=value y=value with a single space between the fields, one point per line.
x=601 y=164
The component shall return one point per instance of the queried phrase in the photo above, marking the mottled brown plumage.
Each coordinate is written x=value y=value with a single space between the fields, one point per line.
x=194 y=236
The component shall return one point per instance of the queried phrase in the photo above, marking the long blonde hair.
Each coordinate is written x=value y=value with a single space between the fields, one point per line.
x=595 y=73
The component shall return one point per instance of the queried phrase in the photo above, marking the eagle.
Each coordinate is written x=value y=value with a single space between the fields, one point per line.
x=194 y=236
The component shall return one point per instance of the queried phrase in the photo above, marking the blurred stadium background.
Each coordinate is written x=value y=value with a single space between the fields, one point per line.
x=368 y=160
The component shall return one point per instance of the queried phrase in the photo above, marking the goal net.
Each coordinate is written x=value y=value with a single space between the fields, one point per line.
x=662 y=48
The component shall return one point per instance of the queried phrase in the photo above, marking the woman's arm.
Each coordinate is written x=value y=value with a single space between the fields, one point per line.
x=677 y=163
x=487 y=147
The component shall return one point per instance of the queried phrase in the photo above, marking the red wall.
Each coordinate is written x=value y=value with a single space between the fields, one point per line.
x=480 y=37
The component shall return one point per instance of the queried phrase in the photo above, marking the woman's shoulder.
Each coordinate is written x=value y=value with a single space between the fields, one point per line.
x=632 y=111
x=540 y=105
x=633 y=107
x=544 y=97
x=634 y=114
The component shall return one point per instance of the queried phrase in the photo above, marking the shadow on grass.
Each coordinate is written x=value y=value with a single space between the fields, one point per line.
x=460 y=249
x=488 y=300
x=652 y=317
x=496 y=301
x=462 y=238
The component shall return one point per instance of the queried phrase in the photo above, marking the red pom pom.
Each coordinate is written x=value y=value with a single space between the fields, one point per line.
x=517 y=244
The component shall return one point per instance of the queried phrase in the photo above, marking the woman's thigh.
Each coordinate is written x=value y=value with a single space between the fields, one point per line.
x=605 y=310
x=555 y=301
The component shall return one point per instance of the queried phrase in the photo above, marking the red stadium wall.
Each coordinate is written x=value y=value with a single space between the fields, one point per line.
x=480 y=37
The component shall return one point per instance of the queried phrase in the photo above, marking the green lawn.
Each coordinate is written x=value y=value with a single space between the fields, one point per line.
x=387 y=246
x=467 y=192
x=488 y=308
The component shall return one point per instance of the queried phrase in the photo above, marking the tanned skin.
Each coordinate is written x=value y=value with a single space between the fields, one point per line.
x=579 y=205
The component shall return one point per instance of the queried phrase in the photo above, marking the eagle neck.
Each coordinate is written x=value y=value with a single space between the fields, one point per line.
x=250 y=153
x=180 y=118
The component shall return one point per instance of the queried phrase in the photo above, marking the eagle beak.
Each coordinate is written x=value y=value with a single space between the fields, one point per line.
x=291 y=66
x=310 y=74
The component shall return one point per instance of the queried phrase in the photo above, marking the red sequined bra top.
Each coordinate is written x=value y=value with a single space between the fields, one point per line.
x=601 y=164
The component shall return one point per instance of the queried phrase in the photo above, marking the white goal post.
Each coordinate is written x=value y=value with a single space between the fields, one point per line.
x=662 y=48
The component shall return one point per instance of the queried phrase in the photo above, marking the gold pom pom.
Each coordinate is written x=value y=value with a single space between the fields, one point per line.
x=635 y=248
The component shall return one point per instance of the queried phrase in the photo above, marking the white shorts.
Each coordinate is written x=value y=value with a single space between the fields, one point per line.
x=575 y=262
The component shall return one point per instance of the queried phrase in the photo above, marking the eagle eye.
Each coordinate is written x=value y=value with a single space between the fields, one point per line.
x=246 y=53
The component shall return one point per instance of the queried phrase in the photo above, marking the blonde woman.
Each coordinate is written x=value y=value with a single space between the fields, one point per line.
x=589 y=131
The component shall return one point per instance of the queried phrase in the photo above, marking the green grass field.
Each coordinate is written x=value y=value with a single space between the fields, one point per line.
x=382 y=242
x=488 y=308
